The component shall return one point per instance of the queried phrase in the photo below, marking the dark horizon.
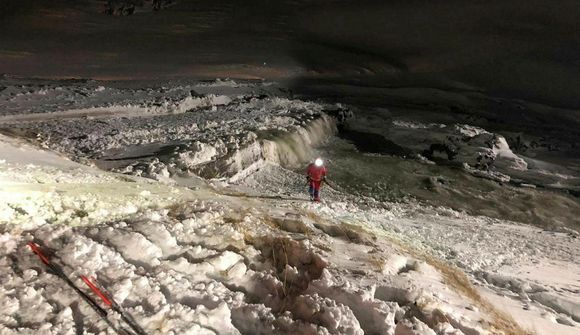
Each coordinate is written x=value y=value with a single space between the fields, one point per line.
x=515 y=48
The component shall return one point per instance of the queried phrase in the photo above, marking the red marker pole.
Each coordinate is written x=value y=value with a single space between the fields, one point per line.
x=96 y=290
x=58 y=272
x=107 y=298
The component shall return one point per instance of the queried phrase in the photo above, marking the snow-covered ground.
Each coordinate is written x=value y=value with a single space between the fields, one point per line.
x=74 y=98
x=246 y=253
x=536 y=270
x=481 y=152
x=203 y=262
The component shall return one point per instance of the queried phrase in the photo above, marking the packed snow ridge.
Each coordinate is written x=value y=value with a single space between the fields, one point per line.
x=219 y=238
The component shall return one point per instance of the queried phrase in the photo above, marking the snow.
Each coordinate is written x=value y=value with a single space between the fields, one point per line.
x=36 y=100
x=244 y=253
x=493 y=252
x=214 y=142
x=190 y=266
x=531 y=318
x=481 y=152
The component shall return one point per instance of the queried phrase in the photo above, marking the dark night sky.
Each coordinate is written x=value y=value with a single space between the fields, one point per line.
x=520 y=48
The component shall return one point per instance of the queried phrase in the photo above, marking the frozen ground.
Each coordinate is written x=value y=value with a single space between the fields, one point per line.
x=201 y=262
x=245 y=253
x=70 y=98
x=483 y=153
x=180 y=129
x=391 y=178
x=529 y=267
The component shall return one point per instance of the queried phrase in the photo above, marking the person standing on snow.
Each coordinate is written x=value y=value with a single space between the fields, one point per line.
x=315 y=174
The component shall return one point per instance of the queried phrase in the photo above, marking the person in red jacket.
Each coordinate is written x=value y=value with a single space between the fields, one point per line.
x=315 y=174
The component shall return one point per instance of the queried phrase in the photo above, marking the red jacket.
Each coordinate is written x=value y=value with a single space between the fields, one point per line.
x=316 y=173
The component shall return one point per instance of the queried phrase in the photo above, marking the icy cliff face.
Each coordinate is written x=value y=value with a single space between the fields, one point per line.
x=236 y=157
x=293 y=149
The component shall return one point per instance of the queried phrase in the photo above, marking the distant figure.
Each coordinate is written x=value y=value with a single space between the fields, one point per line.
x=315 y=174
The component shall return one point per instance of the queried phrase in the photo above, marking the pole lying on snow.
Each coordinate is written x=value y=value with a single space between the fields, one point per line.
x=108 y=300
x=58 y=271
x=106 y=297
